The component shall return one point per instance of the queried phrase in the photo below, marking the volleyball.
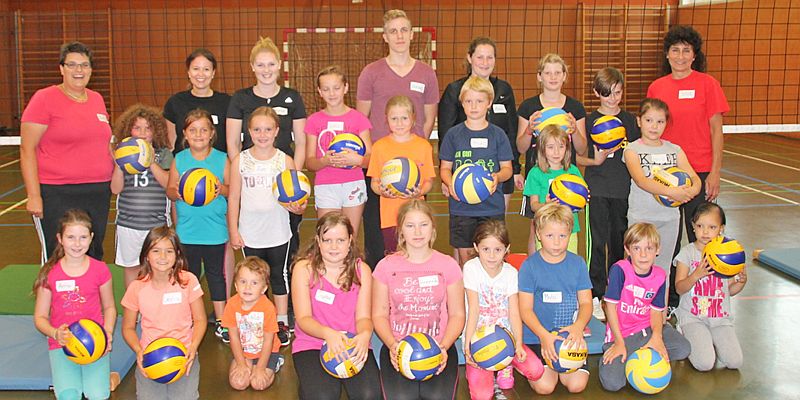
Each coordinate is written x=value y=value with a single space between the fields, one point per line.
x=133 y=155
x=569 y=360
x=419 y=356
x=198 y=186
x=725 y=256
x=345 y=369
x=347 y=141
x=291 y=186
x=672 y=177
x=492 y=347
x=553 y=116
x=608 y=133
x=400 y=175
x=164 y=360
x=472 y=183
x=647 y=371
x=570 y=190
x=87 y=343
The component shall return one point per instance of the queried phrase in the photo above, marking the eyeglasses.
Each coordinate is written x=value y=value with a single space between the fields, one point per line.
x=74 y=66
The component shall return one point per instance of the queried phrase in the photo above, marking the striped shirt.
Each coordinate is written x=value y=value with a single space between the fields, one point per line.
x=143 y=203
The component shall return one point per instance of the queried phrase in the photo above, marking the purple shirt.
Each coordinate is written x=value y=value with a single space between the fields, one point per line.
x=378 y=83
x=635 y=295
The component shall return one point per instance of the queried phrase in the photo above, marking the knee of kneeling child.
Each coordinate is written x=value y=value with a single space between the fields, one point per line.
x=240 y=382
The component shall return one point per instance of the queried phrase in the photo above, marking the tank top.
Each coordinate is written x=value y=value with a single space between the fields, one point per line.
x=263 y=222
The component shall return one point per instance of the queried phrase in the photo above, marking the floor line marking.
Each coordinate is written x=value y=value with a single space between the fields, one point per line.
x=761 y=160
x=772 y=184
x=760 y=191
x=17 y=204
x=9 y=163
x=768 y=297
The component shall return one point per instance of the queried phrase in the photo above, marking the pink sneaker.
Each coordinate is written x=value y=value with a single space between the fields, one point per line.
x=505 y=378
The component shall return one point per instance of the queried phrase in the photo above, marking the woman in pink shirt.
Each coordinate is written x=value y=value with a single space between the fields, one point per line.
x=64 y=154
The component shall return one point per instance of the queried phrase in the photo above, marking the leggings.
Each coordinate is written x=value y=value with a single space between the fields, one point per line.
x=212 y=257
x=72 y=381
x=710 y=344
x=316 y=384
x=94 y=198
x=481 y=381
x=439 y=387
x=278 y=260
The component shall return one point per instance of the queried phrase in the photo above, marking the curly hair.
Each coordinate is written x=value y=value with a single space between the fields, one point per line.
x=125 y=122
x=684 y=34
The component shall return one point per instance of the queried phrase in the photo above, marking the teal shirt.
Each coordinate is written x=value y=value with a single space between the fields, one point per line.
x=207 y=224
x=537 y=183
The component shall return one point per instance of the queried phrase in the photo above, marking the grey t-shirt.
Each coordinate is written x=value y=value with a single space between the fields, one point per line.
x=642 y=206
x=709 y=300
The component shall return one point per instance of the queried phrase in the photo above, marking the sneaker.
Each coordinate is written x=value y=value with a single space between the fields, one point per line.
x=597 y=310
x=222 y=332
x=283 y=334
x=290 y=316
x=505 y=378
x=278 y=366
x=671 y=311
x=587 y=332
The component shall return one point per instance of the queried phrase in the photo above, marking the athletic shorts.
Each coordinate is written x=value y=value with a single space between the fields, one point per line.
x=129 y=246
x=462 y=229
x=337 y=196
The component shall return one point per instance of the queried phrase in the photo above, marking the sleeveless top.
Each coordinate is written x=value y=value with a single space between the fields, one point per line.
x=263 y=222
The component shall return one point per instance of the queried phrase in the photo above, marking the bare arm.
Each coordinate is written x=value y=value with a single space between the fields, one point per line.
x=364 y=107
x=234 y=197
x=299 y=130
x=172 y=185
x=30 y=135
x=233 y=129
x=109 y=309
x=200 y=321
x=117 y=180
x=430 y=118
x=172 y=134
x=717 y=141
x=524 y=135
x=456 y=313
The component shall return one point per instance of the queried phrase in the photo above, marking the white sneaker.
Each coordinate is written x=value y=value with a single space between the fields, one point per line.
x=597 y=309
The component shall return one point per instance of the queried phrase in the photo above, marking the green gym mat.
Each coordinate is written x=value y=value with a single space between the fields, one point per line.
x=16 y=281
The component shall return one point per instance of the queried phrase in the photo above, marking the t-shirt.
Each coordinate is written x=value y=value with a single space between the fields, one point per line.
x=76 y=297
x=330 y=306
x=325 y=127
x=503 y=112
x=709 y=300
x=182 y=102
x=555 y=290
x=487 y=147
x=165 y=312
x=692 y=101
x=75 y=147
x=635 y=295
x=493 y=293
x=263 y=222
x=537 y=183
x=143 y=202
x=378 y=83
x=287 y=104
x=207 y=224
x=642 y=205
x=418 y=293
x=610 y=179
x=417 y=150
x=254 y=324
x=533 y=104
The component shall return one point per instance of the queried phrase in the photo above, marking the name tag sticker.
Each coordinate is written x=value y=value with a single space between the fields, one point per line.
x=551 y=297
x=499 y=108
x=417 y=87
x=324 y=297
x=172 y=298
x=214 y=119
x=281 y=110
x=428 y=281
x=102 y=118
x=686 y=94
x=65 y=285
x=479 y=143
x=336 y=126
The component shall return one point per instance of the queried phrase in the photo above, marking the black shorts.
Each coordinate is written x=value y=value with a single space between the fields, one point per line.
x=462 y=229
x=537 y=349
x=526 y=210
x=274 y=363
x=508 y=186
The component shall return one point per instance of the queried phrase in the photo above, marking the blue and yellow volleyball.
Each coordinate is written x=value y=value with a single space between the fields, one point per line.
x=672 y=177
x=647 y=371
x=133 y=155
x=418 y=356
x=345 y=369
x=400 y=175
x=569 y=359
x=725 y=256
x=164 y=360
x=347 y=141
x=570 y=190
x=608 y=133
x=492 y=347
x=198 y=186
x=87 y=343
x=472 y=183
x=291 y=186
x=553 y=116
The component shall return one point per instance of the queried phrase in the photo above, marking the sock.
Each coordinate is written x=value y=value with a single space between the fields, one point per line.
x=283 y=318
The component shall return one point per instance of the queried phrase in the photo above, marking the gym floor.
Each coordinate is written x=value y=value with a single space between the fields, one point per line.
x=760 y=194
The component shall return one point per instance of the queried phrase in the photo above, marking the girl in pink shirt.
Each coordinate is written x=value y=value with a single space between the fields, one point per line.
x=71 y=286
x=170 y=301
x=339 y=180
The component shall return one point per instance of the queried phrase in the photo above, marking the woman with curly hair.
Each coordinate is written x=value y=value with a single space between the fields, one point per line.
x=142 y=198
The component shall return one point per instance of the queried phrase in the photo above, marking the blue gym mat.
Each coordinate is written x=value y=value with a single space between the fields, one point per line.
x=25 y=363
x=784 y=260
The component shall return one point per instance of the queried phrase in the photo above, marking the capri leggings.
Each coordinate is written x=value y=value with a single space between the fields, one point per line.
x=278 y=260
x=211 y=258
x=317 y=384
x=439 y=387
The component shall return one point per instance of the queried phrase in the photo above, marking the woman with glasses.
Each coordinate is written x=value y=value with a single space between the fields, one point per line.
x=64 y=155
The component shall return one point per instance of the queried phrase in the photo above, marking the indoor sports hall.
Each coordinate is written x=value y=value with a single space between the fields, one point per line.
x=752 y=48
